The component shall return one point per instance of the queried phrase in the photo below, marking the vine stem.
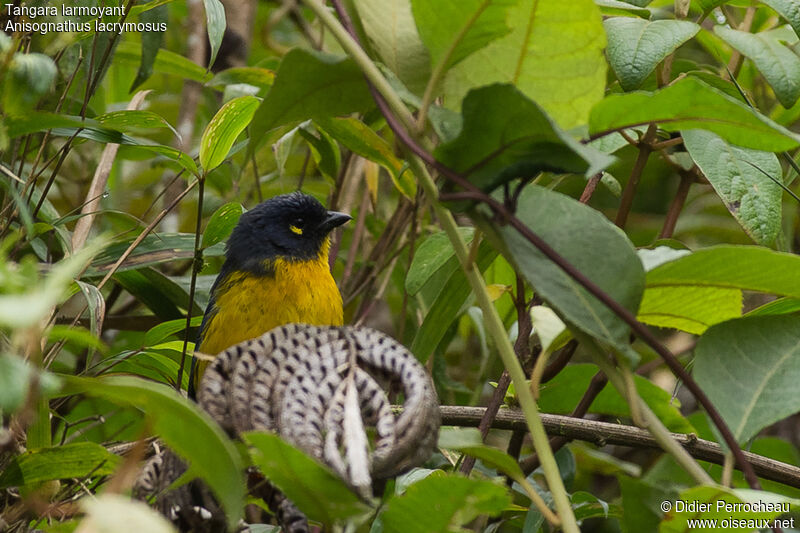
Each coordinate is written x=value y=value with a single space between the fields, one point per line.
x=493 y=323
x=645 y=149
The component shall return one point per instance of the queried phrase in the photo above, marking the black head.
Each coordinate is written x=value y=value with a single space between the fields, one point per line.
x=291 y=227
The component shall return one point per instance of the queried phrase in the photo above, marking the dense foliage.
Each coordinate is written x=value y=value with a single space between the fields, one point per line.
x=580 y=208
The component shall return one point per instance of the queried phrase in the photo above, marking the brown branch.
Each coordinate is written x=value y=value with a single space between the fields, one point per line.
x=604 y=433
x=645 y=149
x=676 y=206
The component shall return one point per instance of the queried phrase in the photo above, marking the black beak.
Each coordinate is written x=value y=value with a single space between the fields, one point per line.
x=334 y=220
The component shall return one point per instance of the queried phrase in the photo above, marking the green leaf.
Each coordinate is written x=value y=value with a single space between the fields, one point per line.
x=617 y=7
x=215 y=23
x=153 y=250
x=160 y=332
x=442 y=503
x=114 y=513
x=749 y=268
x=182 y=425
x=707 y=5
x=224 y=128
x=781 y=306
x=36 y=121
x=311 y=85
x=507 y=136
x=779 y=65
x=390 y=27
x=454 y=29
x=553 y=55
x=27 y=78
x=691 y=309
x=132 y=119
x=151 y=42
x=752 y=198
x=719 y=503
x=166 y=62
x=258 y=77
x=641 y=501
x=562 y=394
x=361 y=139
x=493 y=458
x=789 y=9
x=221 y=224
x=604 y=255
x=159 y=293
x=324 y=149
x=97 y=306
x=636 y=46
x=313 y=488
x=750 y=368
x=433 y=255
x=691 y=104
x=79 y=460
x=15 y=379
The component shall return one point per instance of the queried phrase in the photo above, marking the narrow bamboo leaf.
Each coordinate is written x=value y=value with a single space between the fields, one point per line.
x=751 y=197
x=742 y=267
x=221 y=224
x=160 y=332
x=691 y=104
x=313 y=488
x=493 y=458
x=76 y=460
x=159 y=293
x=152 y=4
x=361 y=139
x=97 y=306
x=690 y=309
x=779 y=65
x=36 y=121
x=311 y=85
x=604 y=255
x=182 y=425
x=132 y=119
x=720 y=503
x=166 y=62
x=442 y=503
x=636 y=46
x=224 y=128
x=258 y=77
x=153 y=250
x=507 y=136
x=453 y=29
x=151 y=42
x=28 y=77
x=215 y=24
x=433 y=255
x=750 y=368
x=789 y=9
x=324 y=150
x=390 y=27
x=553 y=55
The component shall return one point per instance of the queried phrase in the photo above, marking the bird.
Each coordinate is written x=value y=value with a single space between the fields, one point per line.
x=275 y=272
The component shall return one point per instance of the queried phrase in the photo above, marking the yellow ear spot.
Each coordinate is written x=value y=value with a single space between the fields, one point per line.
x=295 y=229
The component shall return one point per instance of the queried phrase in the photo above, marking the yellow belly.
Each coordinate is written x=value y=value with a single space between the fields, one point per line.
x=248 y=305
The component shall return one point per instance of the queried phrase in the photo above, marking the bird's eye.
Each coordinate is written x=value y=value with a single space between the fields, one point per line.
x=297 y=226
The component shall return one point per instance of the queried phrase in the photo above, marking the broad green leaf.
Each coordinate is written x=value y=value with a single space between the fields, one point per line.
x=15 y=378
x=639 y=3
x=441 y=504
x=553 y=55
x=451 y=293
x=258 y=77
x=182 y=425
x=28 y=77
x=707 y=5
x=752 y=198
x=636 y=46
x=221 y=224
x=153 y=250
x=312 y=487
x=781 y=306
x=390 y=27
x=789 y=9
x=691 y=309
x=224 y=128
x=151 y=42
x=493 y=458
x=159 y=293
x=76 y=460
x=691 y=104
x=749 y=268
x=433 y=255
x=311 y=85
x=750 y=368
x=323 y=148
x=720 y=504
x=507 y=136
x=562 y=394
x=160 y=332
x=166 y=62
x=361 y=139
x=617 y=7
x=604 y=255
x=215 y=24
x=552 y=332
x=454 y=29
x=132 y=119
x=779 y=65
x=641 y=501
x=113 y=513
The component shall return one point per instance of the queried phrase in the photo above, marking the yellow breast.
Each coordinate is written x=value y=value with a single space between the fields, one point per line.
x=248 y=305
